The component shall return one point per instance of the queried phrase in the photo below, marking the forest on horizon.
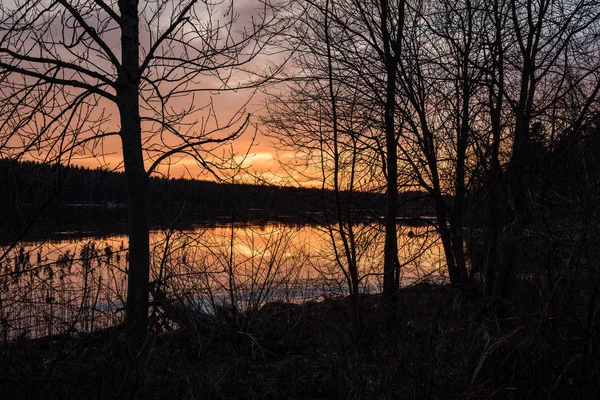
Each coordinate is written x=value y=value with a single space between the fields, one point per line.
x=53 y=191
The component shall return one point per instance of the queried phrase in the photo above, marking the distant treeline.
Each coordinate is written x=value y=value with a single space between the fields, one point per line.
x=68 y=190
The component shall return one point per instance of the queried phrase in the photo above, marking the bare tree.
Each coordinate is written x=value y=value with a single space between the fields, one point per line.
x=76 y=74
x=537 y=39
x=322 y=120
x=438 y=81
x=353 y=48
x=392 y=30
x=497 y=16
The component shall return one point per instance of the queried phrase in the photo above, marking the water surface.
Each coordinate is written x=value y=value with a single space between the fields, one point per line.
x=78 y=283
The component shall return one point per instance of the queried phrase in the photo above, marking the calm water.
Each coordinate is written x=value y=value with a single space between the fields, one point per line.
x=80 y=283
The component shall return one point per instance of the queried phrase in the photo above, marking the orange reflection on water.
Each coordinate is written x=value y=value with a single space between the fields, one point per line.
x=248 y=265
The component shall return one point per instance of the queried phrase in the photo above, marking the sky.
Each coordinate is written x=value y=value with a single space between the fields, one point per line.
x=253 y=150
x=256 y=153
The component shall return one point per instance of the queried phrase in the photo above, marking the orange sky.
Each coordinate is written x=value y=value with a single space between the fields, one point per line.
x=256 y=152
x=260 y=162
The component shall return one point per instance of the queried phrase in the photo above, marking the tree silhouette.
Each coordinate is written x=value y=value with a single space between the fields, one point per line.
x=346 y=54
x=76 y=75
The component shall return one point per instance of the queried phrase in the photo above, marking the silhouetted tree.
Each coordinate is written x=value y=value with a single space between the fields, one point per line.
x=438 y=82
x=340 y=112
x=542 y=43
x=75 y=74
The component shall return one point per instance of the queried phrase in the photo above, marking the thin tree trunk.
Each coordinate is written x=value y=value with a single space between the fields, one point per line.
x=391 y=237
x=494 y=191
x=391 y=147
x=458 y=276
x=493 y=208
x=516 y=205
x=440 y=209
x=346 y=233
x=495 y=169
x=456 y=221
x=463 y=132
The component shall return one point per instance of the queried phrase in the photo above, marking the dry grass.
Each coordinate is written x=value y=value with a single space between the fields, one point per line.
x=438 y=345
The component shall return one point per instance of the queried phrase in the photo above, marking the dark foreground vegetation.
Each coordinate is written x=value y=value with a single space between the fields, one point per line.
x=441 y=342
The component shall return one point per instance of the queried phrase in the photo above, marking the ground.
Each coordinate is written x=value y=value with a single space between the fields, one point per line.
x=438 y=342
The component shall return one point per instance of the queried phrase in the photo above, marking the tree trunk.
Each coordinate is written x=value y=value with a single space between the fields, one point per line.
x=494 y=180
x=463 y=131
x=139 y=243
x=493 y=209
x=457 y=276
x=495 y=196
x=516 y=205
x=391 y=237
x=391 y=147
x=135 y=173
x=457 y=212
x=357 y=321
x=346 y=234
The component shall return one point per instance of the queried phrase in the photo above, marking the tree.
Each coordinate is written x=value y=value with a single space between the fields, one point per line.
x=542 y=45
x=76 y=74
x=322 y=120
x=438 y=83
x=352 y=48
x=392 y=31
x=497 y=16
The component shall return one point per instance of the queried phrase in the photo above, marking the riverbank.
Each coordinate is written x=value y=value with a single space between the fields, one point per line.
x=441 y=343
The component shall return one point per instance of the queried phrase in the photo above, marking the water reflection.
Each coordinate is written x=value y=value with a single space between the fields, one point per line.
x=80 y=284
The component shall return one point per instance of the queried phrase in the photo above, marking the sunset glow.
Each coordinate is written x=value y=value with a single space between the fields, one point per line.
x=303 y=199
